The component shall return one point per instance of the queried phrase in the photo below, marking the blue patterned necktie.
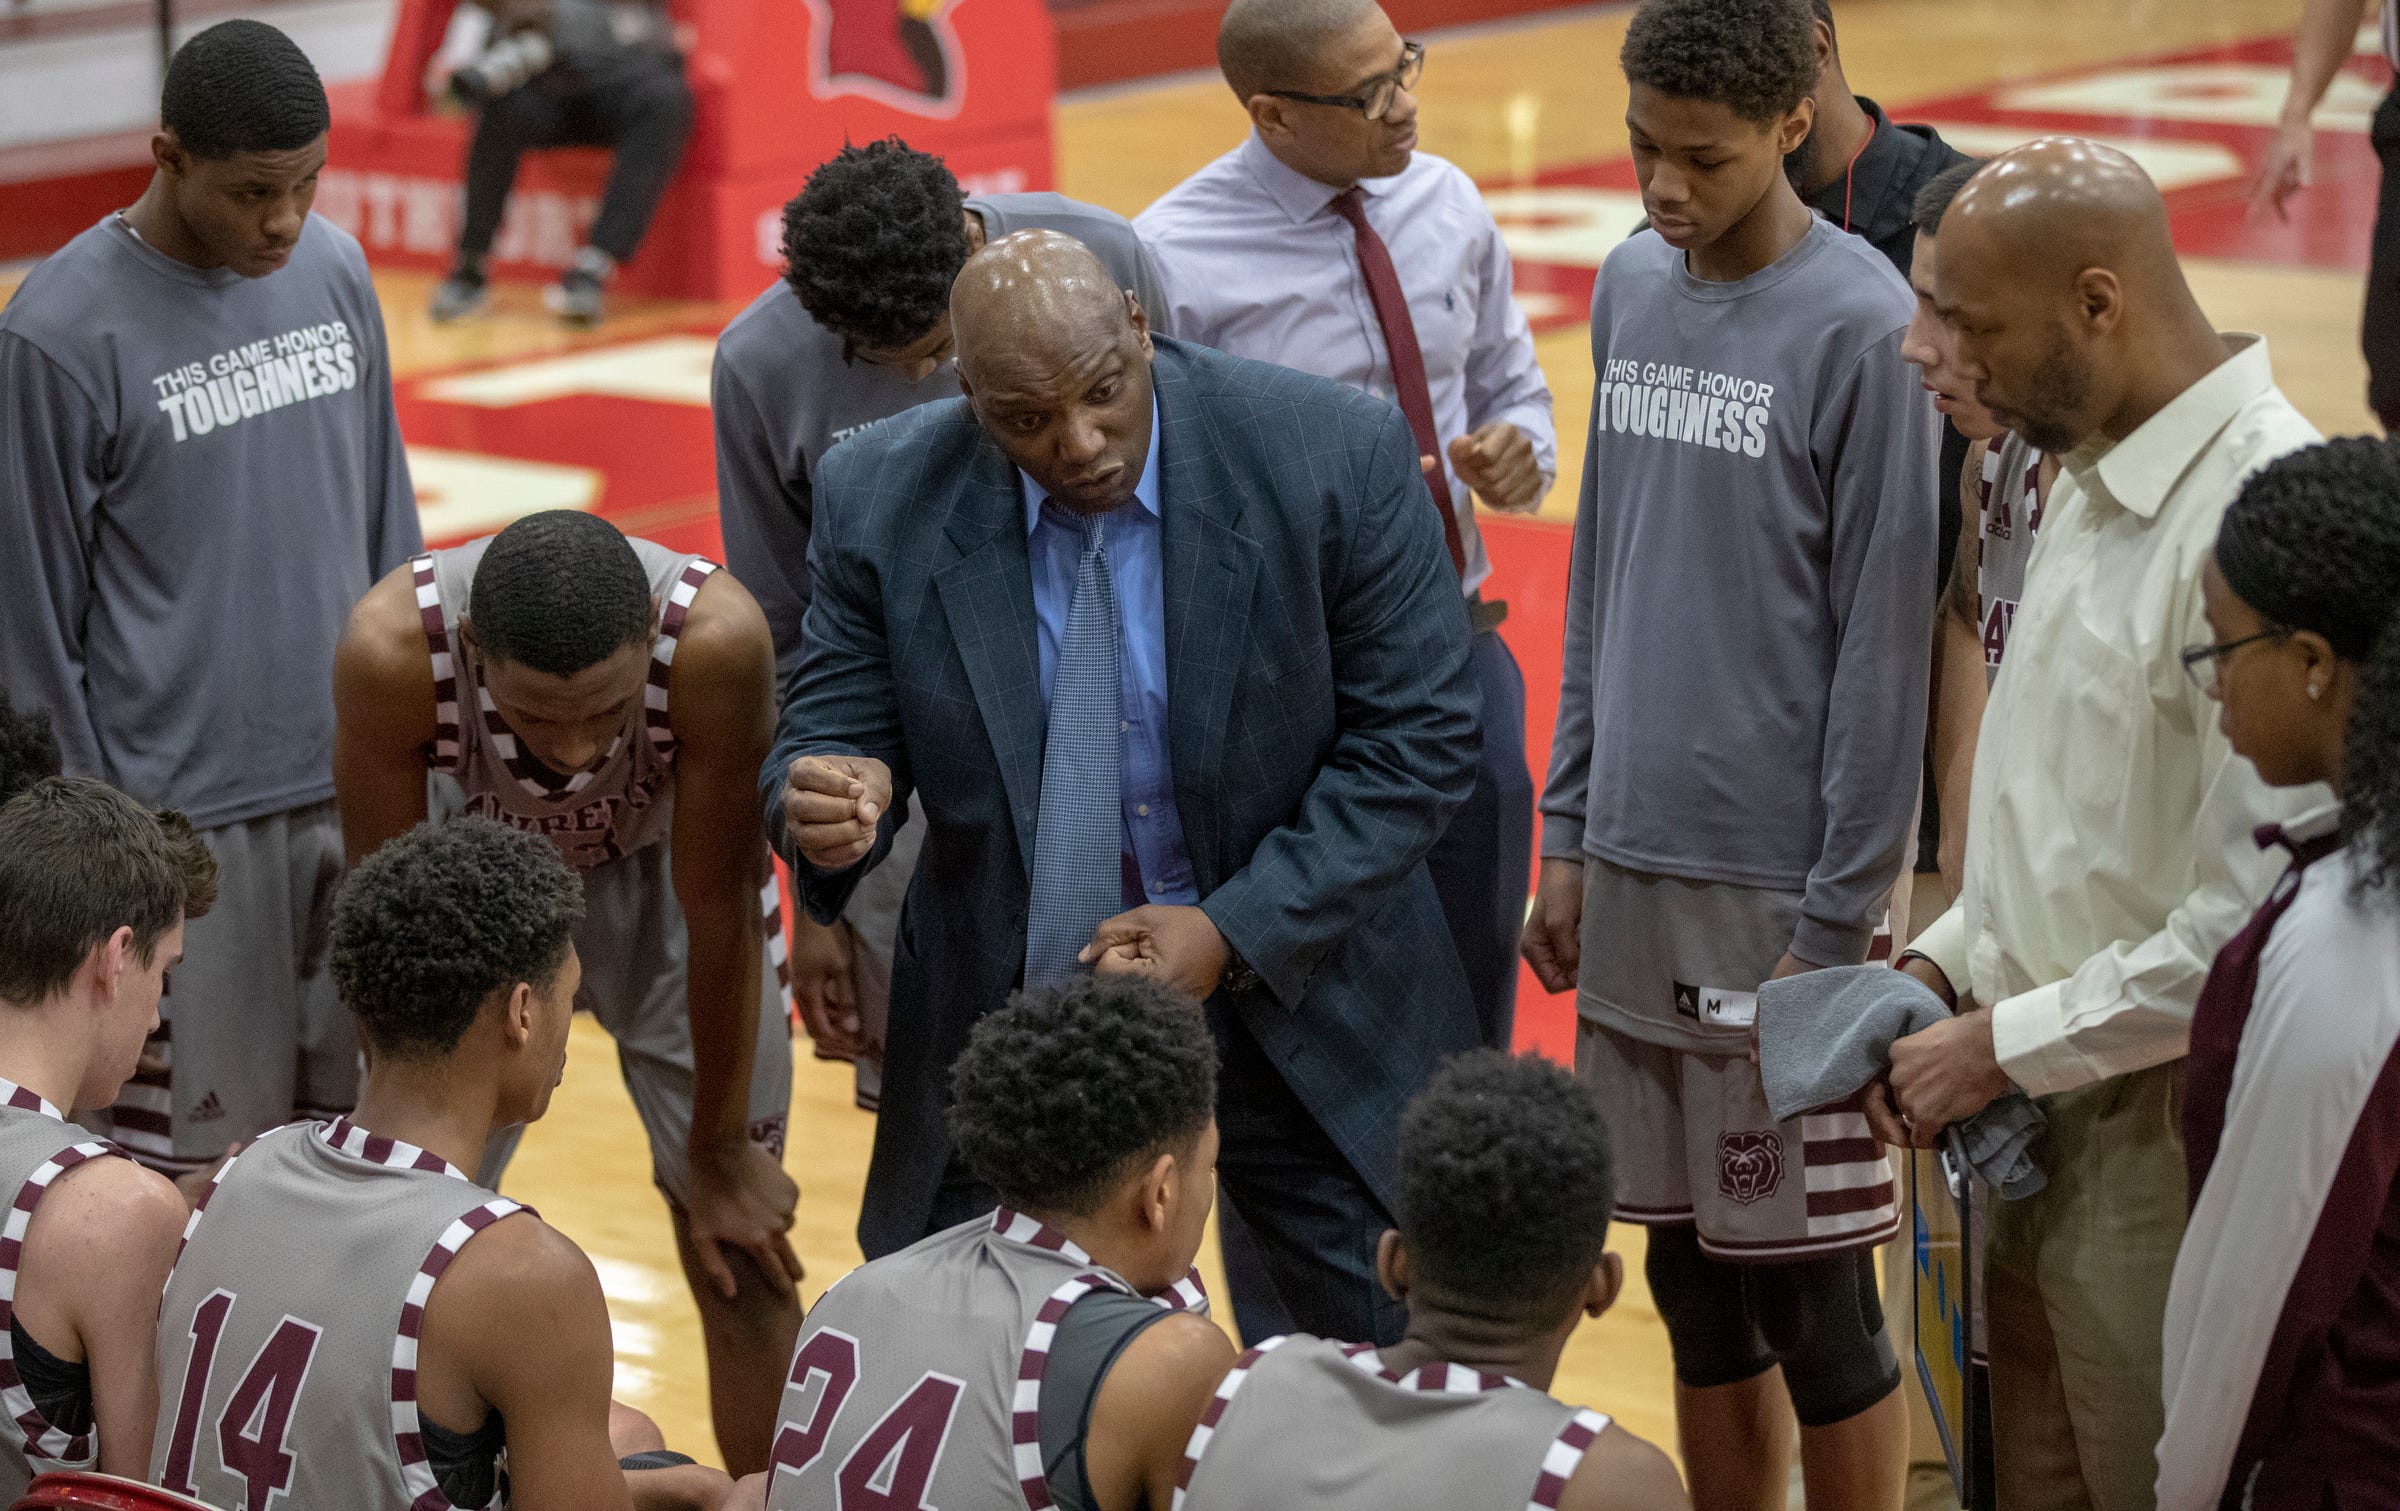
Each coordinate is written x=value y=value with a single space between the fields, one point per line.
x=1078 y=838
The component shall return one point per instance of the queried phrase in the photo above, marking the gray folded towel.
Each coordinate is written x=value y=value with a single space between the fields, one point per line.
x=1824 y=1034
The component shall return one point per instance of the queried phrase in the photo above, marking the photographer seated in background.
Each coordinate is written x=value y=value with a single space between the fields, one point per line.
x=563 y=73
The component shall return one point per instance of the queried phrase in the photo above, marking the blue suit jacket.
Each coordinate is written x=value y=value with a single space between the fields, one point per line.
x=1322 y=722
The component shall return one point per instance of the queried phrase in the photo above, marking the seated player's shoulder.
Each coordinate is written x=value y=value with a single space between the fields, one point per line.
x=105 y=1235
x=104 y=1207
x=516 y=1278
x=1177 y=1359
x=1620 y=1472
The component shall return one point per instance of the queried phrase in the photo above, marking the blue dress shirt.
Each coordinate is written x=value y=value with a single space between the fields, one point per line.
x=1157 y=866
x=1257 y=263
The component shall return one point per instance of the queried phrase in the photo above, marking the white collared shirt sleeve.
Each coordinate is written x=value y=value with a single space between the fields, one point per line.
x=2129 y=1005
x=1504 y=381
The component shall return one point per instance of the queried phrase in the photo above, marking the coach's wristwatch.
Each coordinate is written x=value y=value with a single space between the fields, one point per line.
x=1238 y=977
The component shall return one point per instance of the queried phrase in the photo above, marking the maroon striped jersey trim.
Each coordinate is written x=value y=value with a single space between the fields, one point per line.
x=1227 y=1388
x=348 y=1138
x=1190 y=1294
x=45 y=1447
x=408 y=1438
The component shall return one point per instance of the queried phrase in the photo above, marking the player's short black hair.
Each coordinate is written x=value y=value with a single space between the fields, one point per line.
x=1064 y=1092
x=80 y=860
x=242 y=86
x=28 y=747
x=1934 y=195
x=1506 y=1185
x=1269 y=44
x=428 y=927
x=2312 y=542
x=559 y=591
x=874 y=240
x=1757 y=58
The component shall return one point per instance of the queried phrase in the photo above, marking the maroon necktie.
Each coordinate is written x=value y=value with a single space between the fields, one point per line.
x=1408 y=361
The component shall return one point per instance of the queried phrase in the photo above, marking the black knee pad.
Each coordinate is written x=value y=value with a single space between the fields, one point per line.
x=1709 y=1327
x=1824 y=1323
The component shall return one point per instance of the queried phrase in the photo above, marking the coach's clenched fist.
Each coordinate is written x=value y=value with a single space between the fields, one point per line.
x=831 y=805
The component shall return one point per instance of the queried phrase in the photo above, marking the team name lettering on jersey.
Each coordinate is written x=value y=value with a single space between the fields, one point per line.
x=1695 y=406
x=258 y=377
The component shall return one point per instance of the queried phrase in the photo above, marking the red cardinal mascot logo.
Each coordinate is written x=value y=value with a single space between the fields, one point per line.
x=901 y=52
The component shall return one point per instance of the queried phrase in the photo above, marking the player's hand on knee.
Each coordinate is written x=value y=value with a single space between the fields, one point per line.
x=749 y=1494
x=741 y=1199
x=1553 y=938
x=831 y=805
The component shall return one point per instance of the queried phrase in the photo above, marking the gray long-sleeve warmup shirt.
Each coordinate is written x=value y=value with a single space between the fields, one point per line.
x=200 y=473
x=1744 y=677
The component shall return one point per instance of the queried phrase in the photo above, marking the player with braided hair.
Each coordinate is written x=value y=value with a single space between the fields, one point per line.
x=2282 y=1358
x=1047 y=1354
x=1506 y=1190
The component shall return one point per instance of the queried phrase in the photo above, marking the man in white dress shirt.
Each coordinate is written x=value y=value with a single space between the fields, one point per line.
x=1326 y=242
x=2109 y=849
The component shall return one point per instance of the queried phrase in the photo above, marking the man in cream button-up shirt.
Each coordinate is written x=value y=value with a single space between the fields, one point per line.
x=2109 y=849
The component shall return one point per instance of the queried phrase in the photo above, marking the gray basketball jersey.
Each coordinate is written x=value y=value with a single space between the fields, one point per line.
x=37 y=1145
x=2011 y=504
x=287 y=1342
x=595 y=816
x=1302 y=1421
x=918 y=1378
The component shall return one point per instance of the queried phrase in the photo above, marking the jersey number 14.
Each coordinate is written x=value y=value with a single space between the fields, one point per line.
x=251 y=1427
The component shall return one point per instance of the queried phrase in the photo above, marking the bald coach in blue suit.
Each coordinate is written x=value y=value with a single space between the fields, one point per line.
x=1169 y=649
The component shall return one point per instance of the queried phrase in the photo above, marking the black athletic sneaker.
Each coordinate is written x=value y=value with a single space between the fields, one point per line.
x=575 y=298
x=461 y=296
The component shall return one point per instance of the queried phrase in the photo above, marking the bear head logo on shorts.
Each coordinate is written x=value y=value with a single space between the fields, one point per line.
x=1749 y=1165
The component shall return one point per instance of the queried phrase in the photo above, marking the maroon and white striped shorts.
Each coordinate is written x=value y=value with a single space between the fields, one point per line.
x=1668 y=988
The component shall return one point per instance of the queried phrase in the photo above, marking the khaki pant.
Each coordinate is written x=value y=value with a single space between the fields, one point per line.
x=2076 y=1294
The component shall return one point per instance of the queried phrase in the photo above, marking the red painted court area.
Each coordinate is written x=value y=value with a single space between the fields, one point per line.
x=623 y=428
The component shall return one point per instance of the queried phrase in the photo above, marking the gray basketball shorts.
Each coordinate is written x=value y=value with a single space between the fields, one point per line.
x=251 y=1034
x=1668 y=990
x=635 y=959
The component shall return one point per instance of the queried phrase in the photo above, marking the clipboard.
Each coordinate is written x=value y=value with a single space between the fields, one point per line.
x=1949 y=1208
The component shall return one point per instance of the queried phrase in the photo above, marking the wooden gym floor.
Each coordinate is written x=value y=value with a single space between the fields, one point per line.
x=513 y=413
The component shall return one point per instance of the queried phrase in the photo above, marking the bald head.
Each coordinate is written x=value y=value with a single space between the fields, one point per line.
x=2057 y=206
x=1278 y=44
x=1054 y=359
x=1035 y=296
x=2058 y=273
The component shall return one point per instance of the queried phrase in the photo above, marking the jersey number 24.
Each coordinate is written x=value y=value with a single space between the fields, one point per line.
x=892 y=1466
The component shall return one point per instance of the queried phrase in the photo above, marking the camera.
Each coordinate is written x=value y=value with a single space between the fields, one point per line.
x=503 y=66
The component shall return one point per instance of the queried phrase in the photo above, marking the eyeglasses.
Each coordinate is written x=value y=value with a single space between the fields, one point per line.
x=2211 y=657
x=1375 y=101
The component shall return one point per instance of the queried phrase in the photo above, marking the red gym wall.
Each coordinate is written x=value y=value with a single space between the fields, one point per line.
x=1104 y=41
x=780 y=85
